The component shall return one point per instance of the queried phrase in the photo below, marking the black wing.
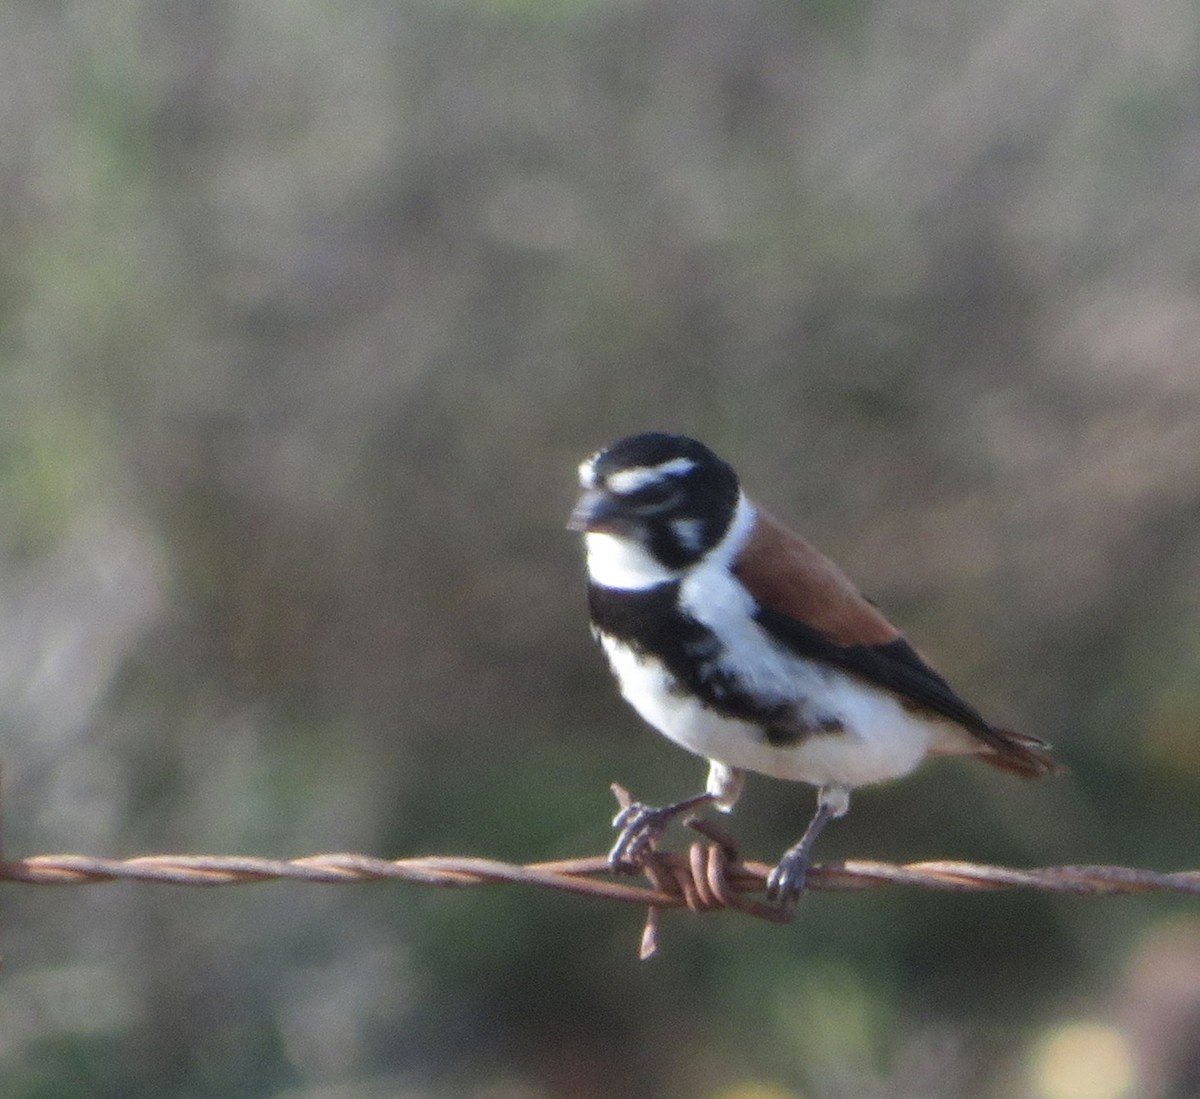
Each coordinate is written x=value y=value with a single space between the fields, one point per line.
x=894 y=665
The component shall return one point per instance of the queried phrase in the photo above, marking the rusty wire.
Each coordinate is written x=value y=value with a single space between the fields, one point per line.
x=704 y=879
x=709 y=877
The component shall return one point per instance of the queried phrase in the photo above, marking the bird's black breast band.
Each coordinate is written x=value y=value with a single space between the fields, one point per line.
x=650 y=622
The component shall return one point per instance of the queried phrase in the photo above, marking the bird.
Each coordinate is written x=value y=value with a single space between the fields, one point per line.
x=742 y=643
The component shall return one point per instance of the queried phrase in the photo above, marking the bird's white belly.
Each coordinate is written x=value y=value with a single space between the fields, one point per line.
x=880 y=739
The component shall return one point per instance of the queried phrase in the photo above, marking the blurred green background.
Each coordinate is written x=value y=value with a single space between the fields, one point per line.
x=308 y=310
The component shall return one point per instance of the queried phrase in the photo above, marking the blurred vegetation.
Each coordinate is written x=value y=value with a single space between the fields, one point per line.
x=308 y=311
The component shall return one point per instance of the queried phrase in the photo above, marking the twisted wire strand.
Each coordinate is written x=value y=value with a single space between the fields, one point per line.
x=701 y=878
x=708 y=877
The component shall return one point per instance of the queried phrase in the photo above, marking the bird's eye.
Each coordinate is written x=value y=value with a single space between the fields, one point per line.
x=654 y=498
x=653 y=493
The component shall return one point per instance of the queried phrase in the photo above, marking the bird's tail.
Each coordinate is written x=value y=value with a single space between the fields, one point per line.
x=1020 y=754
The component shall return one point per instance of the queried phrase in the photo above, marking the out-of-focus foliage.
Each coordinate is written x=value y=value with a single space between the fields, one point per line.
x=308 y=311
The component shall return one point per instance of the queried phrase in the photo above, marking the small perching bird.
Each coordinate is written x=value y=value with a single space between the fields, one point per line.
x=742 y=643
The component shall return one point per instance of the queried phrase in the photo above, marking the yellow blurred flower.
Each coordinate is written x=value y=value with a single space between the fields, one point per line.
x=755 y=1089
x=1084 y=1061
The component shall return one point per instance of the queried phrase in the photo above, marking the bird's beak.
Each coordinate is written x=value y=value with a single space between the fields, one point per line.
x=596 y=512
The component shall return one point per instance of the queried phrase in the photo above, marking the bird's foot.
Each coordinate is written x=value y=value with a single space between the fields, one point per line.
x=787 y=881
x=641 y=826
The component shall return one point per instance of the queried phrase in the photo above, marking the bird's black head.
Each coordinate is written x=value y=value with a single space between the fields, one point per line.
x=668 y=493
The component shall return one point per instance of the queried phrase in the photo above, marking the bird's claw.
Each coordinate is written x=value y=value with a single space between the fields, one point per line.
x=641 y=825
x=787 y=881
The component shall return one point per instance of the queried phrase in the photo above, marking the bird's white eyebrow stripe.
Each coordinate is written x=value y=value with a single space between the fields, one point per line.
x=626 y=481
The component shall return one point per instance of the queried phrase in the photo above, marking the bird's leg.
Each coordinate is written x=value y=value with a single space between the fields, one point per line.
x=641 y=825
x=786 y=882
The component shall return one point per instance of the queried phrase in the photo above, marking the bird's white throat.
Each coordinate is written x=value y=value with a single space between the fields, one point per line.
x=615 y=562
x=625 y=564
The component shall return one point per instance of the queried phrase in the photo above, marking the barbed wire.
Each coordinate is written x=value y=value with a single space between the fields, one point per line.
x=708 y=877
